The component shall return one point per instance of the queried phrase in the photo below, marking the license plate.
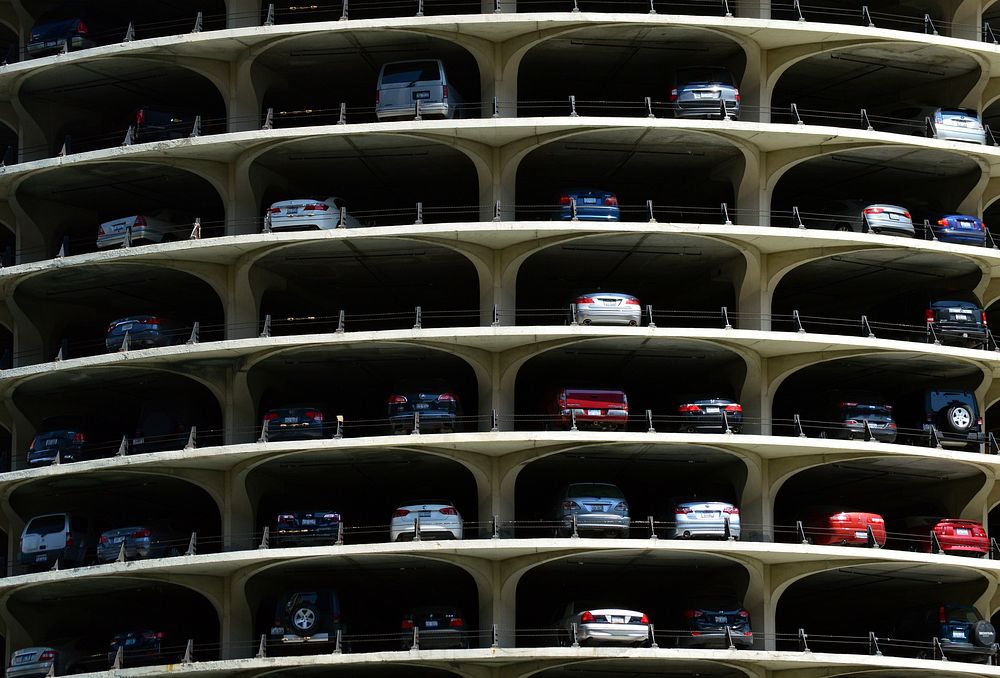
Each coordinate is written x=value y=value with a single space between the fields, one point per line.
x=962 y=532
x=721 y=620
x=594 y=413
x=117 y=540
x=708 y=514
x=958 y=634
x=291 y=211
x=967 y=224
x=308 y=521
x=712 y=410
x=610 y=302
x=421 y=406
x=588 y=201
x=51 y=43
x=290 y=420
x=707 y=95
x=41 y=558
x=597 y=508
x=129 y=642
x=618 y=620
x=962 y=317
x=277 y=630
x=126 y=327
x=893 y=217
x=431 y=623
x=425 y=514
x=51 y=442
x=24 y=659
x=861 y=535
x=422 y=95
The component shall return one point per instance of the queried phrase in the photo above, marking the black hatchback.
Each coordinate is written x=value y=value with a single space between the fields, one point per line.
x=437 y=410
x=68 y=444
x=958 y=323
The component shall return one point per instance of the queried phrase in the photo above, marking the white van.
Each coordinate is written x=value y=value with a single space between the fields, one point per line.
x=402 y=83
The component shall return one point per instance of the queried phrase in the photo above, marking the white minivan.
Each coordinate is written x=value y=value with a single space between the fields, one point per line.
x=403 y=83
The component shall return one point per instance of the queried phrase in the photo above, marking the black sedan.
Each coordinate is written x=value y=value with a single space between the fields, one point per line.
x=710 y=415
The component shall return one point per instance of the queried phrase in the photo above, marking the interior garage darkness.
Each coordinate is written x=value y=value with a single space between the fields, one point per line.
x=659 y=585
x=94 y=102
x=610 y=70
x=89 y=298
x=81 y=618
x=374 y=592
x=377 y=283
x=364 y=487
x=883 y=78
x=655 y=374
x=108 y=405
x=68 y=206
x=892 y=288
x=650 y=477
x=651 y=267
x=899 y=380
x=687 y=175
x=380 y=178
x=355 y=382
x=287 y=73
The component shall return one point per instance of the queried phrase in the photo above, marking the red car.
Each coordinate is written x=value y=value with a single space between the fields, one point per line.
x=593 y=408
x=956 y=536
x=844 y=528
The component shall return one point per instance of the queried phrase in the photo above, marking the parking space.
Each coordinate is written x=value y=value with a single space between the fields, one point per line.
x=69 y=207
x=659 y=585
x=376 y=283
x=352 y=61
x=611 y=70
x=94 y=104
x=380 y=178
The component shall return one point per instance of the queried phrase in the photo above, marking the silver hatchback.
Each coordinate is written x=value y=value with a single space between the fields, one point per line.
x=594 y=507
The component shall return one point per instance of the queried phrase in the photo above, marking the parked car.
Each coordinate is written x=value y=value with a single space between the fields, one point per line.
x=699 y=92
x=311 y=616
x=699 y=518
x=36 y=662
x=309 y=214
x=70 y=444
x=307 y=528
x=705 y=416
x=161 y=425
x=591 y=408
x=438 y=626
x=294 y=422
x=591 y=205
x=603 y=625
x=53 y=537
x=706 y=626
x=141 y=648
x=954 y=415
x=955 y=536
x=146 y=540
x=860 y=216
x=960 y=630
x=145 y=330
x=958 y=323
x=438 y=520
x=403 y=83
x=59 y=31
x=159 y=123
x=958 y=124
x=439 y=410
x=830 y=527
x=158 y=226
x=597 y=507
x=960 y=229
x=607 y=308
x=848 y=421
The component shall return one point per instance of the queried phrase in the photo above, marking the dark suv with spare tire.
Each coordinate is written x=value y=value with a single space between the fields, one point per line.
x=309 y=618
x=955 y=417
x=960 y=630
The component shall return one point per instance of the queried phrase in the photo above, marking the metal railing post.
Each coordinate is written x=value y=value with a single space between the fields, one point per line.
x=988 y=34
x=800 y=532
x=866 y=328
x=727 y=528
x=649 y=211
x=123 y=448
x=932 y=334
x=496 y=316
x=416 y=424
x=935 y=543
x=343 y=12
x=420 y=12
x=418 y=317
x=652 y=527
x=195 y=229
x=416 y=529
x=195 y=333
x=338 y=647
x=495 y=633
x=266 y=331
x=803 y=644
x=127 y=240
x=495 y=525
x=199 y=21
x=726 y=221
x=649 y=422
x=935 y=439
x=649 y=314
x=263 y=432
x=873 y=648
x=991 y=444
x=192 y=548
x=420 y=214
x=265 y=539
x=340 y=322
x=496 y=104
x=262 y=647
x=872 y=542
x=869 y=436
x=866 y=16
x=726 y=325
x=416 y=110
x=129 y=32
x=268 y=119
x=929 y=25
x=649 y=100
x=342 y=118
x=494 y=422
x=795 y=114
x=797 y=424
x=119 y=657
x=798 y=8
x=865 y=122
x=339 y=433
x=576 y=640
x=340 y=534
x=797 y=319
x=725 y=422
x=196 y=128
x=496 y=211
x=189 y=648
x=342 y=222
x=192 y=441
x=572 y=209
x=572 y=98
x=725 y=9
x=797 y=216
x=573 y=522
x=729 y=639
x=416 y=638
x=269 y=19
x=572 y=420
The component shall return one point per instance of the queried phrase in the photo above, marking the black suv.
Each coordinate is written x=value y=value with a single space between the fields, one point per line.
x=955 y=416
x=70 y=443
x=307 y=528
x=307 y=617
x=961 y=631
x=959 y=323
x=704 y=625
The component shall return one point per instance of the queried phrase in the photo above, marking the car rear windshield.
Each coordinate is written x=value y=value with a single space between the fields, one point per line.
x=410 y=72
x=963 y=614
x=959 y=112
x=47 y=524
x=594 y=490
x=941 y=399
x=720 y=76
x=866 y=412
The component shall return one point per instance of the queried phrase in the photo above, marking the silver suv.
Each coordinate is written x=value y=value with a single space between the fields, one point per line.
x=701 y=92
x=596 y=507
x=401 y=84
x=57 y=536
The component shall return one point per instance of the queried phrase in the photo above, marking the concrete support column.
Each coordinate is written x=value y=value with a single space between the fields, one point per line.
x=753 y=293
x=966 y=20
x=30 y=135
x=755 y=95
x=241 y=13
x=239 y=410
x=237 y=629
x=752 y=9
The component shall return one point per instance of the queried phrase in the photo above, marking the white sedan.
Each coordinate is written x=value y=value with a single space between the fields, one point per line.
x=597 y=625
x=309 y=214
x=436 y=520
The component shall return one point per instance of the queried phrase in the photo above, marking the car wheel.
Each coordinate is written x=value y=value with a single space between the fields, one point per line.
x=923 y=654
x=586 y=321
x=958 y=418
x=843 y=227
x=304 y=619
x=633 y=323
x=984 y=634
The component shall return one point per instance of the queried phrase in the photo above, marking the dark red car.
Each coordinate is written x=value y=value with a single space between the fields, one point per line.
x=844 y=528
x=592 y=408
x=956 y=536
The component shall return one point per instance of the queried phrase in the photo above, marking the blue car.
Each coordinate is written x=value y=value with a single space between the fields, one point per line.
x=144 y=331
x=59 y=33
x=960 y=229
x=439 y=411
x=591 y=205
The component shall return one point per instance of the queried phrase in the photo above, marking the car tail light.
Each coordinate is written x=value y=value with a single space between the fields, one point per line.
x=942 y=616
x=332 y=517
x=314 y=414
x=270 y=416
x=447 y=398
x=313 y=206
x=104 y=539
x=275 y=210
x=632 y=301
x=140 y=116
x=622 y=506
x=891 y=424
x=152 y=321
x=876 y=519
x=47 y=656
x=69 y=539
x=406 y=624
x=733 y=408
x=396 y=400
x=673 y=95
x=984 y=317
x=570 y=504
x=942 y=222
x=585 y=300
x=449 y=511
x=731 y=510
x=159 y=635
x=852 y=422
x=744 y=614
x=979 y=421
x=399 y=513
x=982 y=225
x=564 y=200
x=682 y=510
x=644 y=619
x=979 y=531
x=286 y=519
x=140 y=221
x=907 y=214
x=444 y=92
x=141 y=534
x=737 y=96
x=688 y=408
x=929 y=315
x=873 y=210
x=693 y=614
x=696 y=633
x=456 y=623
x=611 y=201
x=81 y=28
x=79 y=438
x=587 y=617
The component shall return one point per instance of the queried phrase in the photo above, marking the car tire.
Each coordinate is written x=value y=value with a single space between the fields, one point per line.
x=304 y=619
x=958 y=418
x=633 y=323
x=586 y=321
x=983 y=633
x=843 y=227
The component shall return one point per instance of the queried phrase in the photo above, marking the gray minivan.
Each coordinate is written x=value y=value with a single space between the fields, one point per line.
x=403 y=83
x=57 y=536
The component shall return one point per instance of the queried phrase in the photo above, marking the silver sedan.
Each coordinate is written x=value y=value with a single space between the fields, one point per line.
x=603 y=626
x=308 y=214
x=607 y=308
x=701 y=519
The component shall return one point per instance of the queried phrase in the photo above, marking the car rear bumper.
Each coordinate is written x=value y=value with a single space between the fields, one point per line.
x=597 y=521
x=409 y=112
x=711 y=423
x=949 y=133
x=608 y=316
x=598 y=421
x=591 y=213
x=965 y=547
x=613 y=634
x=42 y=558
x=716 y=639
x=706 y=108
x=430 y=639
x=883 y=435
x=32 y=670
x=704 y=528
x=883 y=224
x=961 y=237
x=848 y=536
x=429 y=419
x=278 y=432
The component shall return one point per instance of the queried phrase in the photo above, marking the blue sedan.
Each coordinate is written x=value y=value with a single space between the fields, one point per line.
x=591 y=205
x=960 y=229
